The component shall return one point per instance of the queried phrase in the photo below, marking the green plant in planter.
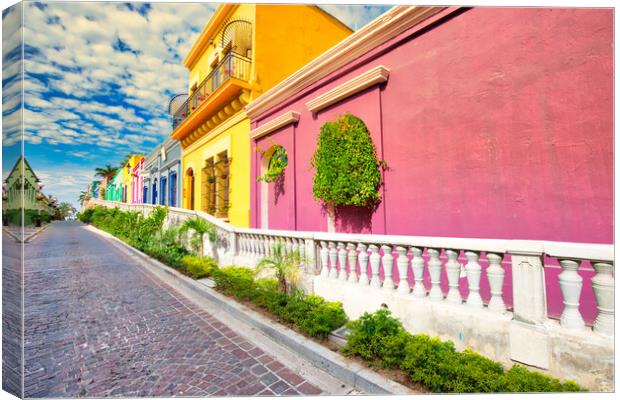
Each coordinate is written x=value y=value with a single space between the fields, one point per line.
x=277 y=164
x=347 y=169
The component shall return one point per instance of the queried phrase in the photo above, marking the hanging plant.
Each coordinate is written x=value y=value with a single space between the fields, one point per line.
x=347 y=169
x=277 y=164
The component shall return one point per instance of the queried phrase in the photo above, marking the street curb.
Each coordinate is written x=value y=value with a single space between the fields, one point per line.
x=346 y=370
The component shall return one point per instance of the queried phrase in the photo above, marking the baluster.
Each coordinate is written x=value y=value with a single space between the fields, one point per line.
x=417 y=267
x=289 y=245
x=266 y=246
x=403 y=266
x=295 y=247
x=453 y=270
x=603 y=285
x=495 y=274
x=570 y=284
x=302 y=250
x=260 y=244
x=434 y=269
x=324 y=253
x=272 y=244
x=252 y=246
x=242 y=244
x=363 y=256
x=375 y=260
x=474 y=271
x=388 y=263
x=342 y=262
x=333 y=257
x=352 y=263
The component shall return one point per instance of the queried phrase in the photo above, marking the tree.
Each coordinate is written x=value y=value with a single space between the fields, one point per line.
x=200 y=228
x=82 y=197
x=106 y=172
x=64 y=210
x=286 y=267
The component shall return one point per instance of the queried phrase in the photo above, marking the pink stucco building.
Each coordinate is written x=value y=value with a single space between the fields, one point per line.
x=494 y=122
x=137 y=182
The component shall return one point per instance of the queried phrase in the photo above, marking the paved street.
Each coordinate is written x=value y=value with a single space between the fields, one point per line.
x=96 y=324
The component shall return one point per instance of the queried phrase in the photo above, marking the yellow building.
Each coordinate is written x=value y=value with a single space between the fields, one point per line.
x=128 y=177
x=244 y=50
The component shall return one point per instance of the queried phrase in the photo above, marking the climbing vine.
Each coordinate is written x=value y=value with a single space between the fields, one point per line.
x=277 y=164
x=347 y=169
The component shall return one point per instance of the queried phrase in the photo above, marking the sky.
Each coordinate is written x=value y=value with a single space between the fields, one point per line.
x=97 y=81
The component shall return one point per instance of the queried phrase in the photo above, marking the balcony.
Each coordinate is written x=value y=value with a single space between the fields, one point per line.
x=233 y=68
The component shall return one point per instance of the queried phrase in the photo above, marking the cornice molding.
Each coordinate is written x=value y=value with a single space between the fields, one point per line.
x=378 y=74
x=385 y=27
x=230 y=122
x=288 y=117
x=209 y=31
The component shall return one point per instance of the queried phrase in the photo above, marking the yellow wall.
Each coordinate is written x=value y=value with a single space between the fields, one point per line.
x=284 y=38
x=232 y=135
x=290 y=36
x=126 y=175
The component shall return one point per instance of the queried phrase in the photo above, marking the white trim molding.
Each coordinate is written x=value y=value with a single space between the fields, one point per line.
x=378 y=74
x=385 y=27
x=288 y=117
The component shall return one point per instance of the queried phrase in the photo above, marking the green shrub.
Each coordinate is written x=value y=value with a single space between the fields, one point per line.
x=266 y=295
x=379 y=337
x=347 y=170
x=86 y=215
x=367 y=335
x=198 y=267
x=520 y=379
x=235 y=281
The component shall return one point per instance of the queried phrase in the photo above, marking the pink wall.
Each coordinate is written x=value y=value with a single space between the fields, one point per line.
x=495 y=123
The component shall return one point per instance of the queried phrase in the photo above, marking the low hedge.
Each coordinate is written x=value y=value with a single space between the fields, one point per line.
x=311 y=314
x=199 y=267
x=380 y=338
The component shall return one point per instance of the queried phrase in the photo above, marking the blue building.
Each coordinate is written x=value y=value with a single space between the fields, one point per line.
x=162 y=175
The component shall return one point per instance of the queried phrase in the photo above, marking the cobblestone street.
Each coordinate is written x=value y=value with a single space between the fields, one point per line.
x=96 y=324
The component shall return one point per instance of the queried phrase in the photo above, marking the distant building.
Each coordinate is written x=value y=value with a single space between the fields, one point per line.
x=22 y=192
x=161 y=172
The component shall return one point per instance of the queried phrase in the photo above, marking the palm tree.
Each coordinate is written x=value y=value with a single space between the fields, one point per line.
x=82 y=197
x=200 y=228
x=106 y=172
x=123 y=163
x=64 y=210
x=285 y=265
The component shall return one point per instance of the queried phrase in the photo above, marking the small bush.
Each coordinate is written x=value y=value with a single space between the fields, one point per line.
x=235 y=281
x=199 y=267
x=86 y=215
x=379 y=337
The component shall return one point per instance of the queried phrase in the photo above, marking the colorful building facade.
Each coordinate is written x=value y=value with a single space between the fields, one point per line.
x=21 y=194
x=161 y=175
x=114 y=189
x=244 y=50
x=137 y=182
x=493 y=122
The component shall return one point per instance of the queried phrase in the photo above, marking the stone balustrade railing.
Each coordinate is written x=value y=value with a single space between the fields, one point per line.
x=403 y=264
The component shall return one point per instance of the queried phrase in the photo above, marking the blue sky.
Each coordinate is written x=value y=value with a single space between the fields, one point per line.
x=98 y=77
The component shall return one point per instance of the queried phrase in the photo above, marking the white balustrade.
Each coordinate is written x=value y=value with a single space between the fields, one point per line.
x=474 y=272
x=375 y=260
x=403 y=268
x=363 y=256
x=289 y=245
x=453 y=271
x=495 y=274
x=333 y=259
x=603 y=285
x=342 y=262
x=352 y=263
x=388 y=264
x=570 y=284
x=417 y=267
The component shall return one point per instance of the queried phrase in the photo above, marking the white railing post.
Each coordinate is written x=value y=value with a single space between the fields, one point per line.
x=603 y=285
x=417 y=267
x=570 y=284
x=403 y=268
x=388 y=264
x=333 y=260
x=453 y=271
x=324 y=252
x=474 y=272
x=495 y=274
x=363 y=256
x=375 y=260
x=342 y=262
x=434 y=269
x=308 y=254
x=352 y=263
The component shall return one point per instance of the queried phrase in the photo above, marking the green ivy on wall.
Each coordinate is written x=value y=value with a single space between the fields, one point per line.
x=347 y=169
x=277 y=164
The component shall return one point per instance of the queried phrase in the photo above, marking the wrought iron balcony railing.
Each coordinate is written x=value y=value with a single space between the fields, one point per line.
x=233 y=65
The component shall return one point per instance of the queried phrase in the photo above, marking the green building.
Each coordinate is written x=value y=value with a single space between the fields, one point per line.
x=22 y=191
